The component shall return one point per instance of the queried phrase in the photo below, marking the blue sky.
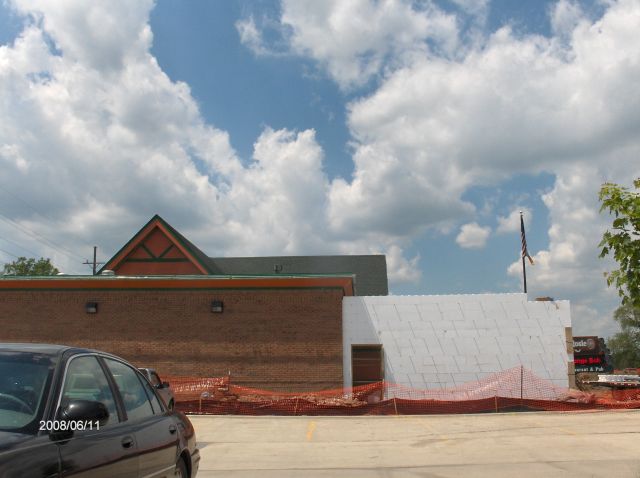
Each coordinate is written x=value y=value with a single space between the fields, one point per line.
x=414 y=129
x=241 y=94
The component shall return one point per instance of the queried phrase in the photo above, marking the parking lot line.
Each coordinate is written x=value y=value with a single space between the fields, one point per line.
x=310 y=430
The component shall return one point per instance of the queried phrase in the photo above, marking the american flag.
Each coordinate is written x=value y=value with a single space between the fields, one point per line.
x=525 y=252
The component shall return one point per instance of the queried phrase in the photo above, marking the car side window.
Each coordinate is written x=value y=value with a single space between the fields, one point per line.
x=132 y=391
x=85 y=380
x=155 y=403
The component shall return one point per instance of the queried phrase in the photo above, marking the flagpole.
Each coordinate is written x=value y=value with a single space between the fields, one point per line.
x=524 y=267
x=524 y=275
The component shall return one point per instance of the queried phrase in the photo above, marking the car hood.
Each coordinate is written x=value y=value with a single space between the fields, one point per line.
x=11 y=440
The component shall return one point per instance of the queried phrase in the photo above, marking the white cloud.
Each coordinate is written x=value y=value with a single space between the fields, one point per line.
x=436 y=127
x=101 y=139
x=94 y=37
x=88 y=135
x=565 y=16
x=511 y=223
x=473 y=236
x=400 y=269
x=250 y=36
x=393 y=195
x=355 y=39
x=278 y=203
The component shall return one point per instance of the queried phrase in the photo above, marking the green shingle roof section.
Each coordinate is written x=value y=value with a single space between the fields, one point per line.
x=370 y=270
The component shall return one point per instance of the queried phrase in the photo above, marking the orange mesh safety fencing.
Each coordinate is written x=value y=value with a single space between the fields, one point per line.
x=516 y=389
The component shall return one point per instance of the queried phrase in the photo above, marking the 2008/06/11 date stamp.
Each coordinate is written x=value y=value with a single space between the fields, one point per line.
x=68 y=425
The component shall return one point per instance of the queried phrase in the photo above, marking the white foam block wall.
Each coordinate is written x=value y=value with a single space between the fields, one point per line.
x=439 y=341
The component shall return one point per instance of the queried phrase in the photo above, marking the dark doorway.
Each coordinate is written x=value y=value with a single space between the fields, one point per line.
x=367 y=365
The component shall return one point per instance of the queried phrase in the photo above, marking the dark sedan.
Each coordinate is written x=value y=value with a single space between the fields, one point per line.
x=67 y=411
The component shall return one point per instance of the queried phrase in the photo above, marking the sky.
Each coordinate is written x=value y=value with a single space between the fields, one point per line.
x=418 y=130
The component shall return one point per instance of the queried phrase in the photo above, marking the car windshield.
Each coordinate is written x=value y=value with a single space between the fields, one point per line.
x=24 y=379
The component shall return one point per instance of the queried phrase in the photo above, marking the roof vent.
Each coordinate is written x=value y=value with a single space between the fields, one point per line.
x=108 y=272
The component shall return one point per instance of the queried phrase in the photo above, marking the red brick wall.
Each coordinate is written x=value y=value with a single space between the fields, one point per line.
x=273 y=339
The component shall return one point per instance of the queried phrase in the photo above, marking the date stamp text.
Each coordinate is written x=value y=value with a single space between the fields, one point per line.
x=68 y=425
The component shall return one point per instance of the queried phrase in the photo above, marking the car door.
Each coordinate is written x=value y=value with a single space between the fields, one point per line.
x=98 y=451
x=156 y=431
x=25 y=387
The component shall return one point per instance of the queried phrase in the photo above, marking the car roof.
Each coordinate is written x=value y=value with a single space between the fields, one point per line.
x=47 y=349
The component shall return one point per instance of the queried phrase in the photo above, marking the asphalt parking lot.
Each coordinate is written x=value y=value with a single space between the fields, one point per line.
x=545 y=444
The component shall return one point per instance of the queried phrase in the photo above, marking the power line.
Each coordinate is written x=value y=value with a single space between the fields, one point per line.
x=40 y=238
x=34 y=254
x=7 y=252
x=47 y=241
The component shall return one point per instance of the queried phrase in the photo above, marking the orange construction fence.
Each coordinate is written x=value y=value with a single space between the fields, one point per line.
x=516 y=389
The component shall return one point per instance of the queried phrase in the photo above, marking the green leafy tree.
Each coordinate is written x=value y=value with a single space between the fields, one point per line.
x=625 y=345
x=30 y=267
x=623 y=239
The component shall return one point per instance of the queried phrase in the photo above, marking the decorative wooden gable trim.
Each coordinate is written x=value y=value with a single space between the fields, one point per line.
x=156 y=250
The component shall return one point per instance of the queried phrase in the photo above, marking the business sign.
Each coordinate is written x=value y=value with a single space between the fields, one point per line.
x=592 y=363
x=591 y=360
x=586 y=345
x=592 y=369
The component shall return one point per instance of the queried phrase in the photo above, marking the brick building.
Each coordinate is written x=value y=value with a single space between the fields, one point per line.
x=283 y=323
x=161 y=302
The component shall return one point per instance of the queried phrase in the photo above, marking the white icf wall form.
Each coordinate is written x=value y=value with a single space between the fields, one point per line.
x=440 y=341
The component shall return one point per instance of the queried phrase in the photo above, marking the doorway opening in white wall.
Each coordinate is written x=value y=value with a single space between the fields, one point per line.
x=367 y=364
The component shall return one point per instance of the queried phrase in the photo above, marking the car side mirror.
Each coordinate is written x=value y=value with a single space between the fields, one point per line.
x=162 y=385
x=85 y=411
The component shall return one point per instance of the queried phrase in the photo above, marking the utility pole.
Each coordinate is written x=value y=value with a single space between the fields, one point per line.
x=94 y=264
